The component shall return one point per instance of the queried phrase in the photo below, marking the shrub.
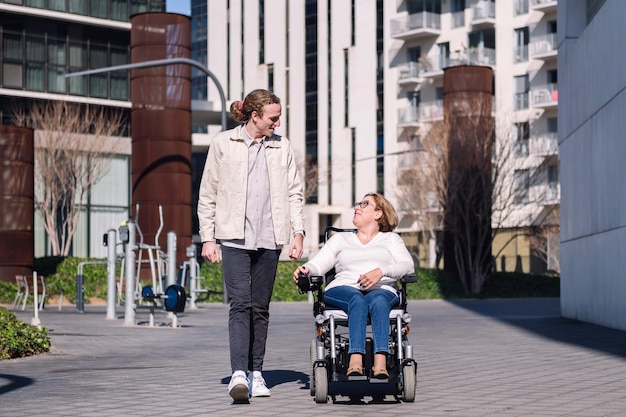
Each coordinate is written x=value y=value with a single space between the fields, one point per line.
x=18 y=339
x=431 y=284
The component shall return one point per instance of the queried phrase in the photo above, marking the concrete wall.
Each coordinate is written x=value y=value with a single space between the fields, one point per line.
x=592 y=125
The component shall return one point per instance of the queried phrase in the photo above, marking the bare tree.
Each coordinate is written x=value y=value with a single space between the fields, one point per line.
x=74 y=149
x=544 y=240
x=462 y=184
x=422 y=184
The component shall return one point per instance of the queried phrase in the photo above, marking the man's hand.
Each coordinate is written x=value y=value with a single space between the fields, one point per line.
x=210 y=252
x=296 y=249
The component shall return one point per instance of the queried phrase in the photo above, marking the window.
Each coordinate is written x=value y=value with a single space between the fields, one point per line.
x=458 y=13
x=522 y=135
x=98 y=8
x=521 y=45
x=78 y=7
x=35 y=56
x=552 y=124
x=521 y=92
x=98 y=83
x=119 y=79
x=119 y=10
x=58 y=5
x=56 y=66
x=521 y=7
x=444 y=55
x=521 y=185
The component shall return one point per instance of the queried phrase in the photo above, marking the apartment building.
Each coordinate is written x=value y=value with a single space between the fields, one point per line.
x=360 y=80
x=42 y=40
x=517 y=39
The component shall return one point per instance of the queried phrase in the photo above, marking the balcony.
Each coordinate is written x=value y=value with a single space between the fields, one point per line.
x=408 y=117
x=415 y=26
x=520 y=101
x=481 y=56
x=409 y=75
x=428 y=111
x=545 y=6
x=545 y=96
x=547 y=193
x=432 y=67
x=543 y=47
x=545 y=144
x=484 y=14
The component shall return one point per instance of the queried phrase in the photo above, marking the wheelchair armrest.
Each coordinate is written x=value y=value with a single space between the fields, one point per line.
x=308 y=283
x=408 y=279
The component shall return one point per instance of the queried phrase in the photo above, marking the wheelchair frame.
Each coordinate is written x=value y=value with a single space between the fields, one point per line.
x=329 y=349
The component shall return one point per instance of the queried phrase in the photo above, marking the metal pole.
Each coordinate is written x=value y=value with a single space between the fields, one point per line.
x=159 y=63
x=129 y=312
x=111 y=273
x=193 y=277
x=80 y=287
x=171 y=258
x=35 y=320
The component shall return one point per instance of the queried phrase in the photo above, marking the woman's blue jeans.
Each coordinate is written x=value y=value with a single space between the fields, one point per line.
x=358 y=304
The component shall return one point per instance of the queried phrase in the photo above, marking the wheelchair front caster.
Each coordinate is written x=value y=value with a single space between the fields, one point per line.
x=321 y=385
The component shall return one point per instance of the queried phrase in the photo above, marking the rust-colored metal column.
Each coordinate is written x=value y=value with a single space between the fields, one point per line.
x=17 y=239
x=161 y=127
x=467 y=220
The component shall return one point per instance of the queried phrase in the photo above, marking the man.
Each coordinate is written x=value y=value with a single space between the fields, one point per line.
x=251 y=202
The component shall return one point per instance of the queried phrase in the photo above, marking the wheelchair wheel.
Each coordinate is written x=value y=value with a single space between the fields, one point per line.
x=408 y=383
x=321 y=385
x=312 y=374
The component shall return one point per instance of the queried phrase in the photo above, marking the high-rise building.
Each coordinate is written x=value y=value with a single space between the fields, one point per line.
x=41 y=41
x=361 y=80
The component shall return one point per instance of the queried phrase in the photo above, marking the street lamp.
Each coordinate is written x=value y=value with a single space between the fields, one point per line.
x=160 y=63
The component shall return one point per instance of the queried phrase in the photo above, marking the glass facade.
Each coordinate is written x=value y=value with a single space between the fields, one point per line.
x=120 y=10
x=37 y=51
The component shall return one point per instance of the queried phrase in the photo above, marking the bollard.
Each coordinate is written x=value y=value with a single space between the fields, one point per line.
x=129 y=312
x=35 y=320
x=80 y=293
x=171 y=258
x=193 y=278
x=111 y=272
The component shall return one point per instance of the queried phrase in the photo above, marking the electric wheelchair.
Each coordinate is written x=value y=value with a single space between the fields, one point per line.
x=329 y=349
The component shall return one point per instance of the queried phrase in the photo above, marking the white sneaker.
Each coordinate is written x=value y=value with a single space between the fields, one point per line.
x=258 y=387
x=238 y=386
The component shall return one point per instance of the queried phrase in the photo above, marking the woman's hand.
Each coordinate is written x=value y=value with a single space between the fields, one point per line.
x=369 y=279
x=301 y=270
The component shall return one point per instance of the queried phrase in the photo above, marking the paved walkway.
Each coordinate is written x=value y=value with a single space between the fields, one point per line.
x=475 y=358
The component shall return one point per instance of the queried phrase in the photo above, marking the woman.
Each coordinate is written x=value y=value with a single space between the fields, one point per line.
x=367 y=263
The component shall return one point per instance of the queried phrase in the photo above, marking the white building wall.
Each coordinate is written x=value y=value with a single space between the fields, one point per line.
x=592 y=150
x=237 y=62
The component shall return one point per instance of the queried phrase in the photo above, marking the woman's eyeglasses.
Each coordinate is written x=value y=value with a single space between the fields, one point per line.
x=362 y=204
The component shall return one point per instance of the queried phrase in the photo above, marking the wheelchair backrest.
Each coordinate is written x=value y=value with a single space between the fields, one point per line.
x=328 y=232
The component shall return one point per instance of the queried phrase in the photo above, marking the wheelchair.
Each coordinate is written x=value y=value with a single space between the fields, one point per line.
x=329 y=349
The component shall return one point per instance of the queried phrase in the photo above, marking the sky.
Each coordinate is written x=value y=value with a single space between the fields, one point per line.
x=178 y=6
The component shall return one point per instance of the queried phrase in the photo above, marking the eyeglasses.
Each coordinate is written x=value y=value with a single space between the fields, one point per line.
x=362 y=204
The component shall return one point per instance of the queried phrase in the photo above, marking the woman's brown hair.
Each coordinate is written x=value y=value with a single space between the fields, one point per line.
x=389 y=219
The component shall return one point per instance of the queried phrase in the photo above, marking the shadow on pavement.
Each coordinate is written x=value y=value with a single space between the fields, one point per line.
x=15 y=382
x=543 y=317
x=280 y=376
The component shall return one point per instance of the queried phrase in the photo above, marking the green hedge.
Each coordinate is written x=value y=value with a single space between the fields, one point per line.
x=432 y=284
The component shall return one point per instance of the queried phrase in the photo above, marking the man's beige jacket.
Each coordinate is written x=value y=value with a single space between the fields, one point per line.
x=222 y=196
